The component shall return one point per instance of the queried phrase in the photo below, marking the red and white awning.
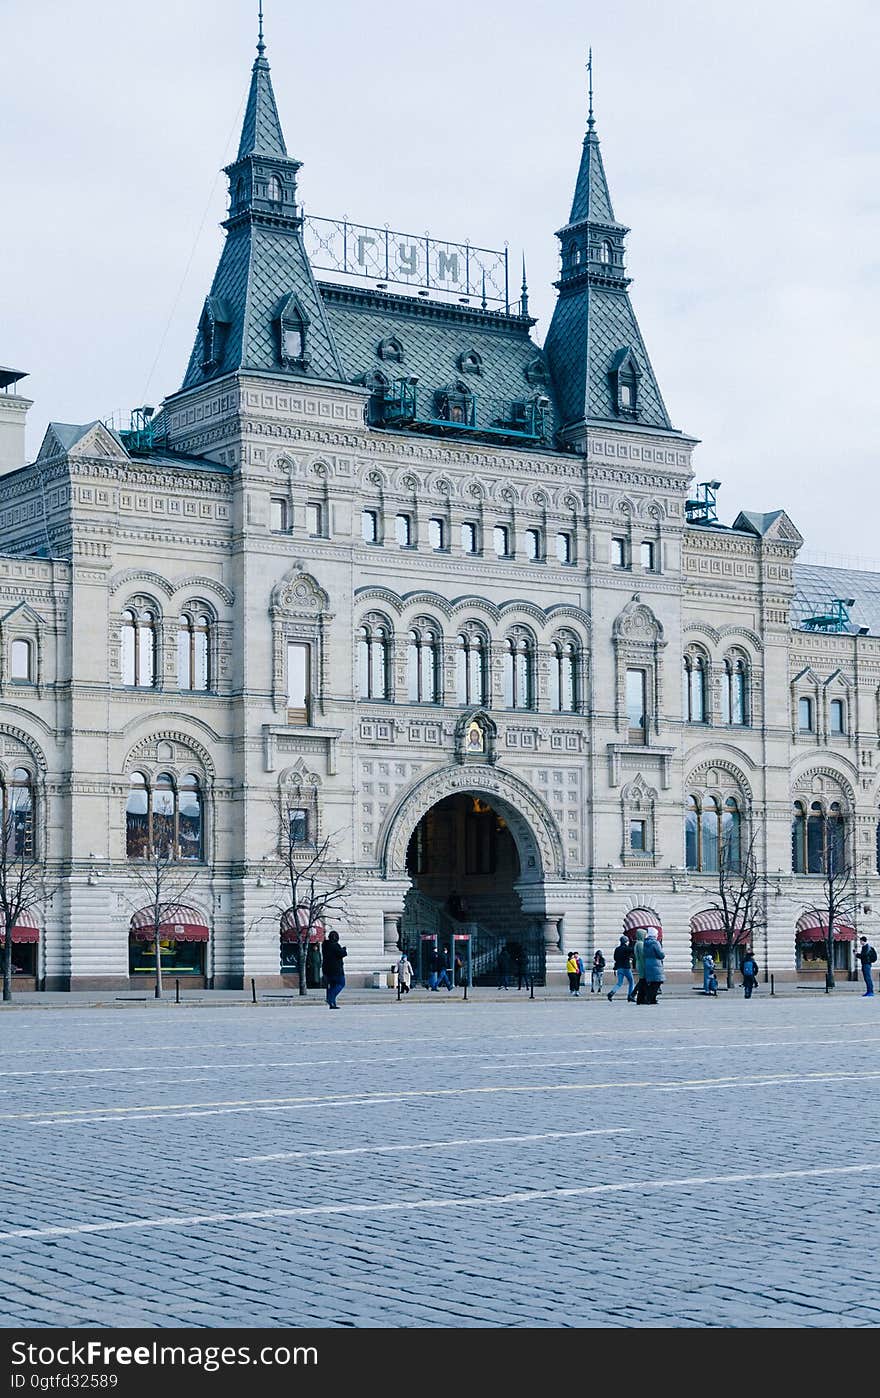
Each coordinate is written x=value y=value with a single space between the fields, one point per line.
x=811 y=928
x=708 y=930
x=642 y=920
x=177 y=923
x=26 y=929
x=296 y=920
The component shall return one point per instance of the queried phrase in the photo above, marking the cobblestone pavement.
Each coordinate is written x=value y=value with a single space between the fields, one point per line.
x=551 y=1163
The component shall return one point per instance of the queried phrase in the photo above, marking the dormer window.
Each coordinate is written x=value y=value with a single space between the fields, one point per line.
x=625 y=375
x=470 y=363
x=293 y=326
x=212 y=326
x=455 y=404
x=391 y=349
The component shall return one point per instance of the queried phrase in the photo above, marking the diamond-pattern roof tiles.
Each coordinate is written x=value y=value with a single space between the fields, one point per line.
x=261 y=132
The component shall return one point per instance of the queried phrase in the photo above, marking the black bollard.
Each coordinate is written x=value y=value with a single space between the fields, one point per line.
x=253 y=990
x=465 y=990
x=177 y=992
x=772 y=986
x=531 y=988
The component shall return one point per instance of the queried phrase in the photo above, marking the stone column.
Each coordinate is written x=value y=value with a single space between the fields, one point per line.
x=391 y=924
x=550 y=928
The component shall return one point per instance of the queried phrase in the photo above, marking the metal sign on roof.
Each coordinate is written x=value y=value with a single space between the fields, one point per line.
x=419 y=263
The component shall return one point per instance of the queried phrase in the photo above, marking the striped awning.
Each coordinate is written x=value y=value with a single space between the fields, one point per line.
x=811 y=928
x=177 y=923
x=26 y=929
x=707 y=929
x=294 y=920
x=642 y=920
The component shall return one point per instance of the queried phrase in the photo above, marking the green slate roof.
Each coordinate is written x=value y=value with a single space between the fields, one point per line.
x=434 y=336
x=261 y=132
x=592 y=201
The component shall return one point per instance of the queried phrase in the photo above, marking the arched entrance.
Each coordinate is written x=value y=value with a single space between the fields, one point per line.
x=476 y=846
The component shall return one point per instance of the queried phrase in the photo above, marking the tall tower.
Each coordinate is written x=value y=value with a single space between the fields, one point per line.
x=263 y=312
x=600 y=367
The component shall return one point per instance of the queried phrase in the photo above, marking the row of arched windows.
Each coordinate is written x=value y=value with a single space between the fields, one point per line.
x=818 y=838
x=472 y=648
x=734 y=689
x=139 y=649
x=713 y=834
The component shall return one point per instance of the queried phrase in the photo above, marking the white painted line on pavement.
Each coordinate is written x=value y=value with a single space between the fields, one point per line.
x=486 y=1058
x=530 y=1196
x=435 y=1145
x=88 y=1116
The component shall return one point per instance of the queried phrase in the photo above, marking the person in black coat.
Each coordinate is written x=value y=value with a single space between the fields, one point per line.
x=333 y=964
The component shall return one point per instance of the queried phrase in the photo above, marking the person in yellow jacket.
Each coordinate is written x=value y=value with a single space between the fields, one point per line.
x=572 y=966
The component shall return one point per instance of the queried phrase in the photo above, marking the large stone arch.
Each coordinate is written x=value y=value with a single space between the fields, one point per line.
x=530 y=822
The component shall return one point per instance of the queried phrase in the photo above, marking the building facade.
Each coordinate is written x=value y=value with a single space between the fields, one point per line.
x=444 y=597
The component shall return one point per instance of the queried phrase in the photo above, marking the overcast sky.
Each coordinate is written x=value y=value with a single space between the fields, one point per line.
x=740 y=141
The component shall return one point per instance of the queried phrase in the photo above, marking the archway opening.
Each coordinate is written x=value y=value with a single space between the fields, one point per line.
x=464 y=863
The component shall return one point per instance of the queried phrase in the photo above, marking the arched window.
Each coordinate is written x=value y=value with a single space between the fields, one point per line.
x=374 y=671
x=470 y=669
x=734 y=691
x=713 y=834
x=21 y=664
x=519 y=672
x=162 y=818
x=423 y=666
x=836 y=717
x=18 y=817
x=818 y=838
x=276 y=190
x=193 y=651
x=564 y=689
x=605 y=252
x=139 y=647
x=694 y=704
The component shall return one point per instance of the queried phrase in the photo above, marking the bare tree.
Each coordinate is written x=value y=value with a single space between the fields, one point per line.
x=165 y=885
x=311 y=884
x=740 y=897
x=837 y=904
x=23 y=887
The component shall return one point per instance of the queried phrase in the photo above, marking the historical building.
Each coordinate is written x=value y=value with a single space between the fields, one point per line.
x=454 y=598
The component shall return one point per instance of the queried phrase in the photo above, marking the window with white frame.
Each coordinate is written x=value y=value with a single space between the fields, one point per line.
x=734 y=691
x=518 y=671
x=471 y=667
x=298 y=681
x=374 y=660
x=423 y=664
x=21 y=661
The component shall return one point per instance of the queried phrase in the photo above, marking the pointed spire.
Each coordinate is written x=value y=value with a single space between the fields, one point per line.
x=524 y=296
x=591 y=198
x=261 y=132
x=590 y=122
x=484 y=303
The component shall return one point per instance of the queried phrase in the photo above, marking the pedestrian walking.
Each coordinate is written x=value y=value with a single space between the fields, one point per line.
x=404 y=974
x=443 y=977
x=750 y=974
x=867 y=955
x=503 y=967
x=623 y=956
x=597 y=973
x=574 y=973
x=639 y=963
x=654 y=957
x=710 y=983
x=333 y=965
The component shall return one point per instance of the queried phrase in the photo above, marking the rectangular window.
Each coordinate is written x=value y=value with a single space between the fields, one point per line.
x=838 y=725
x=299 y=826
x=647 y=553
x=805 y=715
x=403 y=531
x=636 y=688
x=501 y=540
x=533 y=545
x=437 y=533
x=370 y=526
x=468 y=538
x=20 y=660
x=638 y=836
x=564 y=550
x=618 y=553
x=297 y=682
x=278 y=515
x=315 y=519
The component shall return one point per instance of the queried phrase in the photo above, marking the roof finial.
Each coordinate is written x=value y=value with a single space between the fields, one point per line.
x=484 y=302
x=524 y=299
x=261 y=47
x=590 y=121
